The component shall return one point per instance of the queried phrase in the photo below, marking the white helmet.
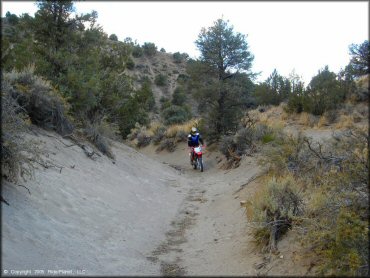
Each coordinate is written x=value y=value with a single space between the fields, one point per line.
x=193 y=130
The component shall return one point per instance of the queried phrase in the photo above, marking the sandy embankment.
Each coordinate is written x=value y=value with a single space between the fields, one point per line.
x=96 y=216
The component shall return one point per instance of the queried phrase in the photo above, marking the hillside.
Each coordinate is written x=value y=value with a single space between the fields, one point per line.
x=152 y=66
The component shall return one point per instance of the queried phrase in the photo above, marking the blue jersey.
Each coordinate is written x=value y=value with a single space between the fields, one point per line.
x=193 y=140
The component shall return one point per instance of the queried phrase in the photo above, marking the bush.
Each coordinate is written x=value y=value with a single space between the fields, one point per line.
x=334 y=175
x=243 y=140
x=261 y=131
x=181 y=136
x=175 y=115
x=227 y=146
x=159 y=134
x=160 y=80
x=137 y=51
x=274 y=209
x=167 y=144
x=183 y=78
x=113 y=37
x=44 y=106
x=143 y=139
x=94 y=135
x=149 y=48
x=178 y=57
x=130 y=64
x=16 y=152
x=179 y=96
x=295 y=104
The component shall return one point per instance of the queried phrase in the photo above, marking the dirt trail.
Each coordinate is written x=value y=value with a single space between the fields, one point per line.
x=209 y=235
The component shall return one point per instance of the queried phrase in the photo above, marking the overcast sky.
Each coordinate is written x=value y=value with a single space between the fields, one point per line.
x=304 y=36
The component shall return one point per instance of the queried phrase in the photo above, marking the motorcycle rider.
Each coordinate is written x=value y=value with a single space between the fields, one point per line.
x=194 y=138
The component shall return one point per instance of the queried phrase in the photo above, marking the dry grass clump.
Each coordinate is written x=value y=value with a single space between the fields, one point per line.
x=273 y=116
x=345 y=121
x=328 y=118
x=159 y=134
x=173 y=130
x=307 y=119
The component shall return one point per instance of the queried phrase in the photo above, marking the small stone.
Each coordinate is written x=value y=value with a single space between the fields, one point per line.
x=282 y=257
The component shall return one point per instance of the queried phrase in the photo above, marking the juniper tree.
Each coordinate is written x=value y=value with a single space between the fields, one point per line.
x=225 y=56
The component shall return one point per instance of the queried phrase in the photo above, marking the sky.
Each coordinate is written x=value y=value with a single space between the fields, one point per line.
x=287 y=36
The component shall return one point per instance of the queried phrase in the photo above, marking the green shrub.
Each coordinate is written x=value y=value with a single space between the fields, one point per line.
x=159 y=134
x=149 y=48
x=160 y=80
x=177 y=57
x=137 y=51
x=130 y=64
x=165 y=103
x=294 y=104
x=131 y=113
x=175 y=115
x=267 y=138
x=113 y=37
x=183 y=78
x=179 y=96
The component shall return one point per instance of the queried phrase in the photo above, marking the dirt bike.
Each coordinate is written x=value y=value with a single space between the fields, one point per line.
x=197 y=161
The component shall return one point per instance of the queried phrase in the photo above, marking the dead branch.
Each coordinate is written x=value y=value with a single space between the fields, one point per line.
x=87 y=150
x=47 y=166
x=25 y=187
x=3 y=200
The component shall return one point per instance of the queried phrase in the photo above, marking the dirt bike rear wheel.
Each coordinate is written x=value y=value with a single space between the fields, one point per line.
x=195 y=163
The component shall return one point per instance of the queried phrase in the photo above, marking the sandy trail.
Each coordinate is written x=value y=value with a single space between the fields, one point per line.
x=209 y=235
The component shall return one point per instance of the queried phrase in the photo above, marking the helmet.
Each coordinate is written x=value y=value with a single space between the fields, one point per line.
x=193 y=130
